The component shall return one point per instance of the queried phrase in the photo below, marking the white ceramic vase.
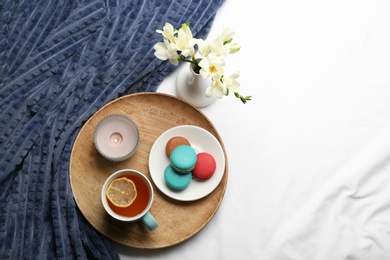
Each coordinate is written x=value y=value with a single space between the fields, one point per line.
x=191 y=87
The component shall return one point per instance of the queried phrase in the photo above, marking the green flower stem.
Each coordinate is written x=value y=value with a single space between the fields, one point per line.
x=195 y=63
x=242 y=98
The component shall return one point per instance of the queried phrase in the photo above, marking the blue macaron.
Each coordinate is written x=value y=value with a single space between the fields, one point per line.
x=176 y=181
x=183 y=159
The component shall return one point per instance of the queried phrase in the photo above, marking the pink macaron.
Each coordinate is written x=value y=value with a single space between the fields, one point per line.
x=205 y=166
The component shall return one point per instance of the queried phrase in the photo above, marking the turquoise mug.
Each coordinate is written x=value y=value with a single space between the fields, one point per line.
x=139 y=208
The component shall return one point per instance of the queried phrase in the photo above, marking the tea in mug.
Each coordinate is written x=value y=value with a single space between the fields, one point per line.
x=140 y=202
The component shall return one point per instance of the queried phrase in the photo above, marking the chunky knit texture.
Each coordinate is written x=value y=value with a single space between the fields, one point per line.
x=60 y=61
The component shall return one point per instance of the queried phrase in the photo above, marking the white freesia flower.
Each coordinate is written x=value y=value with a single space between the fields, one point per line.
x=221 y=86
x=164 y=51
x=168 y=32
x=218 y=48
x=217 y=88
x=226 y=35
x=231 y=82
x=211 y=66
x=233 y=48
x=179 y=46
x=185 y=42
x=213 y=46
x=203 y=47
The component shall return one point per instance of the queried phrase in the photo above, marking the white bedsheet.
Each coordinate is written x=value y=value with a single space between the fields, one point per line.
x=309 y=156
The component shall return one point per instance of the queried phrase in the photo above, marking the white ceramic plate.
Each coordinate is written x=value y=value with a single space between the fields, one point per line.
x=202 y=141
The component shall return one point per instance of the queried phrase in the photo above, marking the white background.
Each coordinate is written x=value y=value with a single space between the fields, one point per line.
x=309 y=172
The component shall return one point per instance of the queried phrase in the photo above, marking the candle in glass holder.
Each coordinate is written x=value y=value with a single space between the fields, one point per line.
x=116 y=137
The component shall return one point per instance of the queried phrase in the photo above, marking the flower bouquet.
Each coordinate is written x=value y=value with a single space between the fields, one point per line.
x=180 y=46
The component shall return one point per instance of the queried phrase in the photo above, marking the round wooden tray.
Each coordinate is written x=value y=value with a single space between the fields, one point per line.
x=154 y=113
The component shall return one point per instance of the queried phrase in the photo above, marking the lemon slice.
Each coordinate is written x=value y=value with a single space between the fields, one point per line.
x=121 y=192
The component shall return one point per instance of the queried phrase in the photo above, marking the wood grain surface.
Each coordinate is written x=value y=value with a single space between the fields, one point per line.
x=178 y=221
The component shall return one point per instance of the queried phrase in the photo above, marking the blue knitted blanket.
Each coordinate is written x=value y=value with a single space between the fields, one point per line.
x=60 y=61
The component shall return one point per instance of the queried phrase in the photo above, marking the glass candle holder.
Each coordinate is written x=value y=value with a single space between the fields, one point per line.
x=116 y=137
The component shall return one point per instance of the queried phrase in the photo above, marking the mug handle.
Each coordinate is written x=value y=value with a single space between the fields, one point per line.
x=149 y=221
